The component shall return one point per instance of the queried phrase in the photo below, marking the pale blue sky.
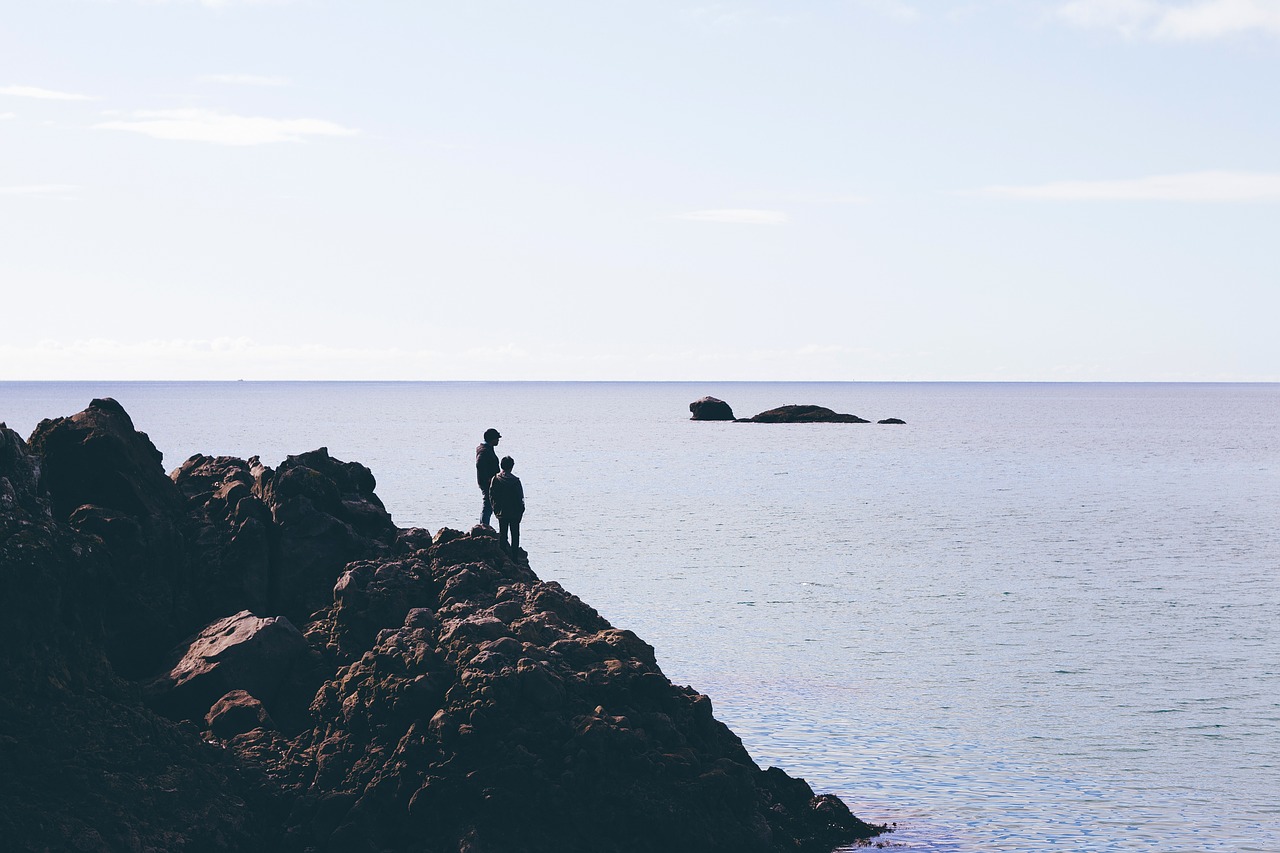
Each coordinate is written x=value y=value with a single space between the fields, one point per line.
x=853 y=190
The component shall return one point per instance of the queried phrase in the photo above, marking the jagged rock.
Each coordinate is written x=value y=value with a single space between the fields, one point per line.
x=449 y=700
x=229 y=531
x=804 y=415
x=891 y=421
x=494 y=711
x=97 y=459
x=368 y=597
x=85 y=766
x=326 y=515
x=710 y=409
x=263 y=657
x=236 y=713
x=413 y=539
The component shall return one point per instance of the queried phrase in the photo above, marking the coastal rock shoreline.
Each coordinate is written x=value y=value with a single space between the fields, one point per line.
x=713 y=409
x=233 y=657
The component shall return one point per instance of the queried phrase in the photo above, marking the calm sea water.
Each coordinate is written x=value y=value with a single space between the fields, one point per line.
x=1037 y=617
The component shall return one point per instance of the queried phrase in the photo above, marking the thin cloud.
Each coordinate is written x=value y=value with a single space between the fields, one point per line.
x=222 y=4
x=896 y=9
x=1191 y=187
x=43 y=94
x=245 y=80
x=8 y=116
x=191 y=125
x=735 y=216
x=1197 y=20
x=40 y=190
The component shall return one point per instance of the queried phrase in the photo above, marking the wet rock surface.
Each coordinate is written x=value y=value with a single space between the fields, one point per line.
x=440 y=698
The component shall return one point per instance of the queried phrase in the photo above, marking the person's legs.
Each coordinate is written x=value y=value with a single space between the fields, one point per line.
x=514 y=524
x=486 y=514
x=503 y=524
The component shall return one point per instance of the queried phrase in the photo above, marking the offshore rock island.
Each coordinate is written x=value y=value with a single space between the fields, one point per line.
x=239 y=658
x=714 y=409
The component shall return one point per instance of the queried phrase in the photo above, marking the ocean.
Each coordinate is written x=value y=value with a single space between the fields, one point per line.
x=1036 y=617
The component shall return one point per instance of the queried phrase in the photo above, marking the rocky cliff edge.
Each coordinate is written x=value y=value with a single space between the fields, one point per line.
x=234 y=657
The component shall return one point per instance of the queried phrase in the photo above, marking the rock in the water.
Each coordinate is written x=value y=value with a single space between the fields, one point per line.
x=804 y=415
x=891 y=421
x=710 y=409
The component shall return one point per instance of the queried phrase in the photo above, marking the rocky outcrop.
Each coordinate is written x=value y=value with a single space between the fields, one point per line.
x=265 y=657
x=272 y=541
x=443 y=698
x=494 y=711
x=891 y=421
x=804 y=415
x=104 y=479
x=710 y=409
x=85 y=765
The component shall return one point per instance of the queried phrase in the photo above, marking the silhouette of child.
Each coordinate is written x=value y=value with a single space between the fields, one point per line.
x=506 y=494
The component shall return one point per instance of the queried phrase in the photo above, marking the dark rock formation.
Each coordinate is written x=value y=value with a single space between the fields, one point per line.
x=710 y=409
x=229 y=531
x=262 y=657
x=891 y=421
x=85 y=766
x=104 y=478
x=237 y=713
x=804 y=415
x=272 y=541
x=443 y=699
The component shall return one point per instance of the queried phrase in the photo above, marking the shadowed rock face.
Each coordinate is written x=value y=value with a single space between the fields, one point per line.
x=710 y=409
x=494 y=711
x=804 y=415
x=442 y=699
x=85 y=766
x=104 y=478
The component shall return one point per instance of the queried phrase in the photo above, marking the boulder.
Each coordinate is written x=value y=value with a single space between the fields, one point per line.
x=261 y=656
x=710 y=409
x=804 y=415
x=236 y=713
x=891 y=421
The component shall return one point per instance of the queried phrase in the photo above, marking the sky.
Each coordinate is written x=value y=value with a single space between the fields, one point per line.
x=847 y=190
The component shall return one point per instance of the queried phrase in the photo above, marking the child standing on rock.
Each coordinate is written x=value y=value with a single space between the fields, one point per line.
x=506 y=494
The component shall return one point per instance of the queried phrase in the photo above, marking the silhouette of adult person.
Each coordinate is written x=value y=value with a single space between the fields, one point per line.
x=506 y=494
x=486 y=469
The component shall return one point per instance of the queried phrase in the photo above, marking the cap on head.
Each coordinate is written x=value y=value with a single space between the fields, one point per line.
x=507 y=463
x=491 y=433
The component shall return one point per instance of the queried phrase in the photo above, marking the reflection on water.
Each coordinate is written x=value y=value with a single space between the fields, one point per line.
x=1035 y=617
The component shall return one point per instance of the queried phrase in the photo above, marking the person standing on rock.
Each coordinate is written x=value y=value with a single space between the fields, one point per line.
x=506 y=494
x=486 y=469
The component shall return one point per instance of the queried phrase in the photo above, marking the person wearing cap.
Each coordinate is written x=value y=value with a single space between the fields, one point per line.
x=486 y=469
x=506 y=495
